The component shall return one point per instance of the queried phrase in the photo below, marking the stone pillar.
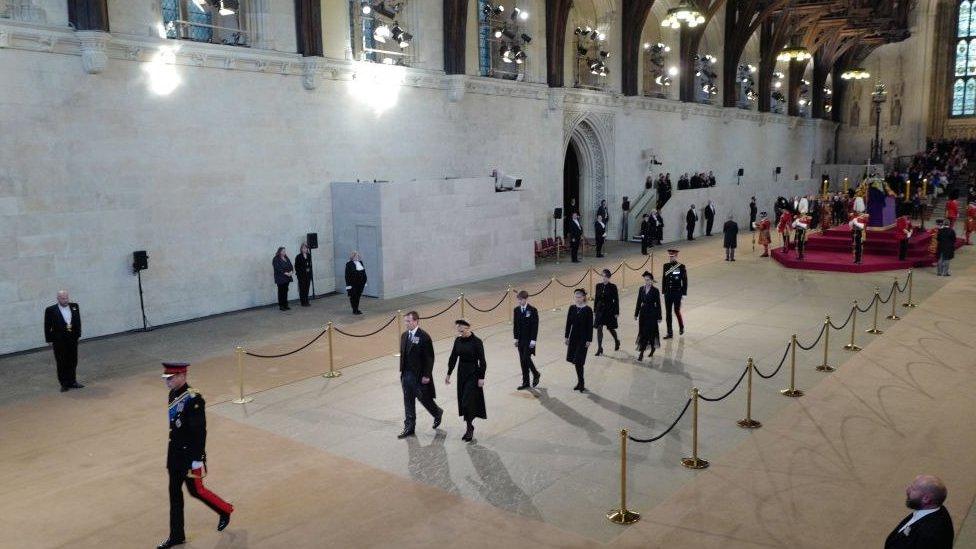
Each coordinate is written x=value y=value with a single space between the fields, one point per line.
x=259 y=28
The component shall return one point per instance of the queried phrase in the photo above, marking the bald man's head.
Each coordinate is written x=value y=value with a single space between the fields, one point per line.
x=925 y=492
x=63 y=297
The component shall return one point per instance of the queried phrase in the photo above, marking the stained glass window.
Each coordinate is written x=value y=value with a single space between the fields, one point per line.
x=964 y=64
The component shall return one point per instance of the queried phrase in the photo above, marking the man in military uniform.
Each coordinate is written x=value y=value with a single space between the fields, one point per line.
x=674 y=285
x=186 y=456
x=858 y=224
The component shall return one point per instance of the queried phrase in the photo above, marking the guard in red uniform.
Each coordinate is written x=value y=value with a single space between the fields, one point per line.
x=763 y=226
x=800 y=225
x=952 y=212
x=970 y=221
x=785 y=222
x=903 y=227
x=186 y=456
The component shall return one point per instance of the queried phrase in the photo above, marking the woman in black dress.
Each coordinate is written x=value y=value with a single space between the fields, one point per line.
x=468 y=355
x=282 y=276
x=606 y=307
x=648 y=315
x=579 y=334
x=303 y=271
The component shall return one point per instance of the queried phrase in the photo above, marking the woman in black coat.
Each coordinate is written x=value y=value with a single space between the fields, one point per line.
x=468 y=355
x=731 y=232
x=606 y=307
x=303 y=271
x=648 y=315
x=579 y=334
x=282 y=276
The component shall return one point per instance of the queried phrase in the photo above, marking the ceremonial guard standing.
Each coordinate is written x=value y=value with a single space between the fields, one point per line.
x=469 y=355
x=186 y=454
x=800 y=225
x=674 y=285
x=903 y=228
x=646 y=234
x=952 y=210
x=765 y=238
x=647 y=313
x=783 y=228
x=525 y=328
x=970 y=221
x=579 y=334
x=606 y=308
x=599 y=234
x=858 y=224
x=575 y=231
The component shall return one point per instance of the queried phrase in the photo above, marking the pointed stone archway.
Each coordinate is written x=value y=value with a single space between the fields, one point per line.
x=591 y=136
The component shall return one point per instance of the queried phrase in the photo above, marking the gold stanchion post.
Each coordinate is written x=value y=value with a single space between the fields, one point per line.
x=877 y=298
x=826 y=346
x=332 y=371
x=399 y=331
x=552 y=285
x=461 y=299
x=241 y=399
x=910 y=304
x=694 y=462
x=748 y=422
x=792 y=391
x=590 y=274
x=852 y=346
x=510 y=306
x=894 y=295
x=623 y=276
x=623 y=515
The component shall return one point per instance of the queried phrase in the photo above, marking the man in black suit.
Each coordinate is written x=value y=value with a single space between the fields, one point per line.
x=659 y=225
x=709 y=218
x=691 y=219
x=355 y=280
x=525 y=328
x=929 y=526
x=575 y=231
x=753 y=210
x=416 y=374
x=646 y=233
x=62 y=329
x=599 y=234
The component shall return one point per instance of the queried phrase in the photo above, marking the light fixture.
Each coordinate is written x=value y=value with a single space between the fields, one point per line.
x=752 y=68
x=518 y=54
x=683 y=14
x=673 y=71
x=856 y=73
x=777 y=84
x=601 y=37
x=228 y=7
x=526 y=38
x=382 y=33
x=498 y=33
x=647 y=45
x=401 y=36
x=366 y=7
x=793 y=53
x=519 y=14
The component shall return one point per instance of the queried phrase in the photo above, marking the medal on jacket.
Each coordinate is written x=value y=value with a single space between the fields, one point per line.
x=176 y=407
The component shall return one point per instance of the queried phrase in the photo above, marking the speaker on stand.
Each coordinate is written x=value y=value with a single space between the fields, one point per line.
x=312 y=239
x=140 y=262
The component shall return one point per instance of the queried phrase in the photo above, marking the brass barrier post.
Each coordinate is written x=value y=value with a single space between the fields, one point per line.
x=623 y=277
x=910 y=304
x=894 y=294
x=461 y=299
x=240 y=377
x=826 y=367
x=792 y=391
x=399 y=331
x=510 y=307
x=590 y=274
x=557 y=251
x=332 y=372
x=877 y=298
x=852 y=346
x=748 y=422
x=552 y=284
x=623 y=515
x=694 y=462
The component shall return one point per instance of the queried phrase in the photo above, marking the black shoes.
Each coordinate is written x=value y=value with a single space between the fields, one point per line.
x=522 y=387
x=76 y=385
x=306 y=304
x=616 y=345
x=599 y=351
x=437 y=420
x=357 y=312
x=669 y=336
x=468 y=435
x=170 y=542
x=681 y=331
x=535 y=379
x=64 y=388
x=406 y=433
x=223 y=522
x=640 y=357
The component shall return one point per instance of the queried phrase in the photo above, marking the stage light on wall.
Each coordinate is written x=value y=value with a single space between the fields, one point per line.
x=161 y=71
x=673 y=71
x=518 y=13
x=366 y=7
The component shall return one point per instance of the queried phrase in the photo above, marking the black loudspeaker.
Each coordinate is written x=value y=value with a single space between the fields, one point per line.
x=140 y=260
x=779 y=170
x=741 y=172
x=557 y=213
x=312 y=239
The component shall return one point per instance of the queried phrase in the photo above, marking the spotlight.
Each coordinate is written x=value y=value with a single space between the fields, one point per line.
x=647 y=45
x=498 y=33
x=526 y=38
x=366 y=7
x=499 y=9
x=673 y=71
x=519 y=14
x=601 y=37
x=382 y=33
x=777 y=85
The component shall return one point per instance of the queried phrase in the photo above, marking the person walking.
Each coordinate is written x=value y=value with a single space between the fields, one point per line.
x=752 y=213
x=575 y=231
x=606 y=309
x=945 y=247
x=416 y=371
x=355 y=280
x=674 y=286
x=468 y=354
x=647 y=313
x=578 y=334
x=599 y=234
x=525 y=330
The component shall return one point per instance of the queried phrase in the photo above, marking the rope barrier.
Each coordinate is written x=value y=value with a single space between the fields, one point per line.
x=448 y=308
x=901 y=288
x=544 y=288
x=730 y=391
x=641 y=266
x=891 y=294
x=580 y=281
x=497 y=305
x=378 y=330
x=814 y=344
x=668 y=430
x=844 y=325
x=868 y=308
x=303 y=347
x=781 y=362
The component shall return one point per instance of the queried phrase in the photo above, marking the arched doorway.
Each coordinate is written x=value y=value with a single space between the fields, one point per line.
x=571 y=185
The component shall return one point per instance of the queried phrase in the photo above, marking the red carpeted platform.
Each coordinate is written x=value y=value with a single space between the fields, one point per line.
x=833 y=251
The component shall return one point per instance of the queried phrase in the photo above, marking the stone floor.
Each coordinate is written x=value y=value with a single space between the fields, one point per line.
x=544 y=466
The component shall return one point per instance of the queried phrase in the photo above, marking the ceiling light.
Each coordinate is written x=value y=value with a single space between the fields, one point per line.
x=228 y=7
x=673 y=71
x=856 y=73
x=367 y=9
x=793 y=53
x=382 y=33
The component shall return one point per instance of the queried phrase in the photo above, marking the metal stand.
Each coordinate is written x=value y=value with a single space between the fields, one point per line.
x=852 y=346
x=622 y=515
x=826 y=367
x=792 y=391
x=142 y=304
x=694 y=462
x=748 y=422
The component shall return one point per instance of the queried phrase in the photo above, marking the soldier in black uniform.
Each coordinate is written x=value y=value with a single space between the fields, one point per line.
x=606 y=308
x=674 y=286
x=525 y=328
x=186 y=456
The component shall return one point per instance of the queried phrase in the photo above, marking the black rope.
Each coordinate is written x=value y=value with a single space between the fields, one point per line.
x=487 y=310
x=442 y=312
x=378 y=330
x=639 y=267
x=544 y=288
x=868 y=308
x=891 y=294
x=676 y=420
x=814 y=344
x=844 y=325
x=776 y=371
x=314 y=339
x=580 y=281
x=732 y=390
x=901 y=289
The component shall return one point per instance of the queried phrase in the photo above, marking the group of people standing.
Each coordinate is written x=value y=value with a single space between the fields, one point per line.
x=284 y=271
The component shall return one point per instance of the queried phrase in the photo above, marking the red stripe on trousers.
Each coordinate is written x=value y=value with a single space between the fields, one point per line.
x=212 y=498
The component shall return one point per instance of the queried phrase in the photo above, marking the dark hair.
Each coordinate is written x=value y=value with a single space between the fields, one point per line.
x=280 y=248
x=413 y=314
x=579 y=291
x=522 y=295
x=607 y=273
x=462 y=322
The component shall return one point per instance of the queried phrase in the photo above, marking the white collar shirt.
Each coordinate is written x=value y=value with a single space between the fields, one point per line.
x=916 y=516
x=65 y=313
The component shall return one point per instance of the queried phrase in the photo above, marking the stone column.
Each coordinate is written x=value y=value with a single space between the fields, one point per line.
x=259 y=28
